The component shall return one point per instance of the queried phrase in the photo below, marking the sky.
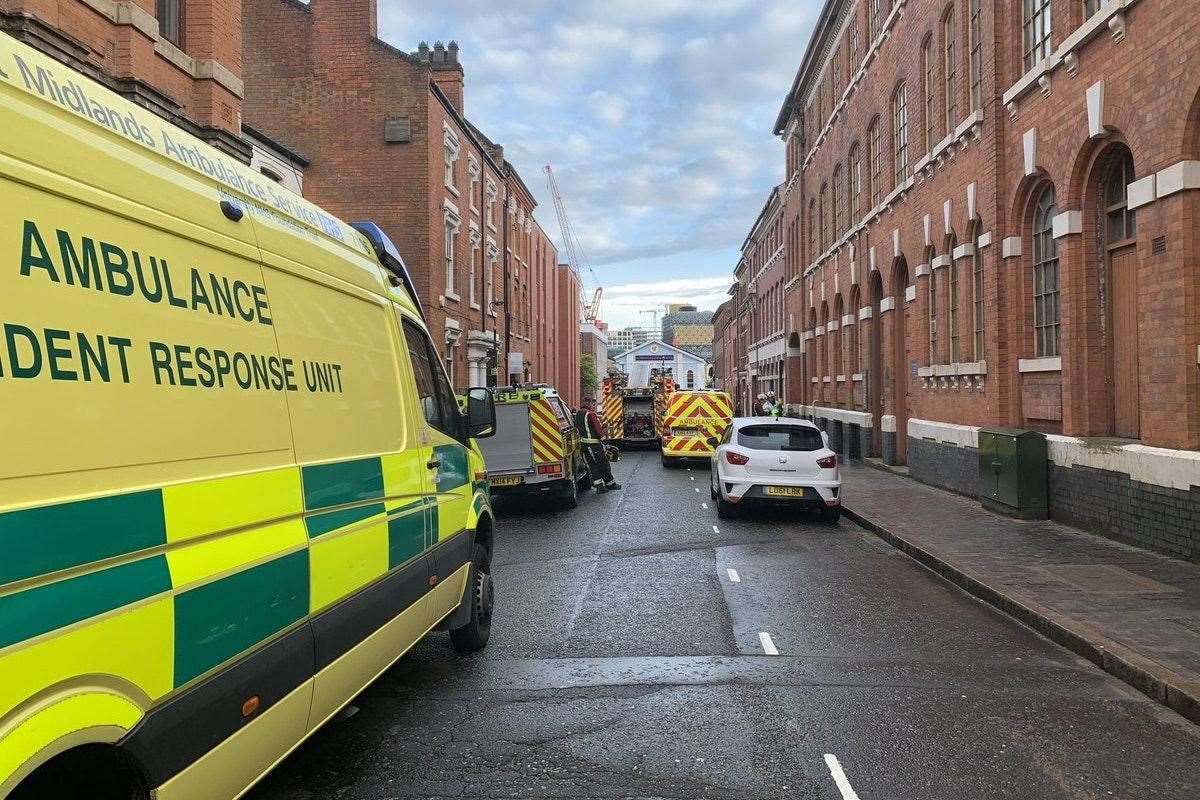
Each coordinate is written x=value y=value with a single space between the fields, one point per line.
x=656 y=115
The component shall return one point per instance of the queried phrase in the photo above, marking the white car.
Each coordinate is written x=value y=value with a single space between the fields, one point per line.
x=775 y=460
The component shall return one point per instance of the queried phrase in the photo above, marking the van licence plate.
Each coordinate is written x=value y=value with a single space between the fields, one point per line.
x=507 y=480
x=785 y=491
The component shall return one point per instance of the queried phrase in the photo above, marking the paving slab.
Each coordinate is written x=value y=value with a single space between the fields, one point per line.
x=1134 y=613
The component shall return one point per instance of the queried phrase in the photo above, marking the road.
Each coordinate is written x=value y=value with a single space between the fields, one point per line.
x=626 y=662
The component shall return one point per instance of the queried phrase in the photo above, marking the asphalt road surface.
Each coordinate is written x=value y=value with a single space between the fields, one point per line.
x=645 y=649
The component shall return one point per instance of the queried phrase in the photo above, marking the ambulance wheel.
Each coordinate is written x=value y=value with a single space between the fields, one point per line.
x=474 y=635
x=667 y=463
x=570 y=494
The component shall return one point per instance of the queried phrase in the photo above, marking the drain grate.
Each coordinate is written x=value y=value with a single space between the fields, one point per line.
x=1107 y=579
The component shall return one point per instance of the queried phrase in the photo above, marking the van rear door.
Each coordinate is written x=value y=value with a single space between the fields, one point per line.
x=510 y=451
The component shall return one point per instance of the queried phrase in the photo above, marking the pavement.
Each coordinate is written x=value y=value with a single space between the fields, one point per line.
x=643 y=648
x=1133 y=613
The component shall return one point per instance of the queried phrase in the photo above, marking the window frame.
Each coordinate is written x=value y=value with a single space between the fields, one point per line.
x=900 y=162
x=1045 y=277
x=1037 y=30
x=950 y=70
x=854 y=177
x=875 y=138
x=974 y=55
x=978 y=298
x=176 y=20
x=952 y=301
x=450 y=230
x=931 y=81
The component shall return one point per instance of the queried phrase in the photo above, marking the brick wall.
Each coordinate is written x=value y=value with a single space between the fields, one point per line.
x=979 y=187
x=378 y=126
x=196 y=85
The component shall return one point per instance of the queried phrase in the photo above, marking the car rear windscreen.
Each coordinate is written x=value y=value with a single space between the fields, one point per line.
x=780 y=437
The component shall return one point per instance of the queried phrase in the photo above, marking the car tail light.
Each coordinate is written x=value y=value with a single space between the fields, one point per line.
x=828 y=462
x=736 y=458
x=549 y=469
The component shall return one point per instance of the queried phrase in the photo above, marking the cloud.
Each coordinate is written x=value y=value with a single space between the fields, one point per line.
x=657 y=117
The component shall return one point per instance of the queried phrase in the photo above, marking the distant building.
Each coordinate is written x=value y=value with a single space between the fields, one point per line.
x=593 y=341
x=627 y=339
x=688 y=327
x=688 y=370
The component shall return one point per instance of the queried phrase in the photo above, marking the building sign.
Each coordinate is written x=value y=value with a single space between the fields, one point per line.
x=667 y=357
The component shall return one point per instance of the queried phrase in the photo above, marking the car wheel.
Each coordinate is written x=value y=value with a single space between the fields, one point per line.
x=830 y=515
x=712 y=488
x=570 y=494
x=725 y=509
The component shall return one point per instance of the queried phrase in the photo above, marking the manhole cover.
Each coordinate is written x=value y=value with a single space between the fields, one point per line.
x=1106 y=579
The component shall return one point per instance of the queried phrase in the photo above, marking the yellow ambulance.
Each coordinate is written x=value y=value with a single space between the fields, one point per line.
x=236 y=485
x=692 y=418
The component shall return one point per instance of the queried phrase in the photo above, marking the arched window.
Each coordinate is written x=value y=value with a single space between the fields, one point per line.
x=821 y=219
x=691 y=379
x=900 y=133
x=1045 y=277
x=876 y=154
x=852 y=366
x=932 y=314
x=839 y=358
x=977 y=296
x=826 y=348
x=812 y=230
x=854 y=177
x=950 y=68
x=929 y=69
x=1120 y=222
x=1035 y=31
x=974 y=55
x=874 y=14
x=838 y=194
x=952 y=301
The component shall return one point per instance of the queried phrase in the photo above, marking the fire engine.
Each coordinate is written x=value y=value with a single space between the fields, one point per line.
x=633 y=415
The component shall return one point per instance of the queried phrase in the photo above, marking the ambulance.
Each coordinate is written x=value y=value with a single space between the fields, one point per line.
x=536 y=450
x=693 y=417
x=236 y=484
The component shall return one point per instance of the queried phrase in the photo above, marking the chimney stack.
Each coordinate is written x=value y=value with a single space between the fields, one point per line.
x=446 y=70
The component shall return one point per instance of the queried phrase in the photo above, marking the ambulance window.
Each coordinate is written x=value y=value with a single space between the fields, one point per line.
x=418 y=354
x=437 y=401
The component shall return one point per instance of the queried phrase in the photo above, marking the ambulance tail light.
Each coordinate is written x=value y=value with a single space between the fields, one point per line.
x=549 y=469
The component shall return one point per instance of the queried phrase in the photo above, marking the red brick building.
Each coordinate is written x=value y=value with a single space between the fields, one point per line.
x=761 y=276
x=992 y=211
x=386 y=138
x=185 y=66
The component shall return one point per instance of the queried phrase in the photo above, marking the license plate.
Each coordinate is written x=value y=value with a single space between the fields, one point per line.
x=507 y=480
x=785 y=491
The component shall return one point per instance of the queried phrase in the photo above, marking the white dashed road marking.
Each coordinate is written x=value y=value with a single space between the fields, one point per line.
x=733 y=576
x=716 y=529
x=839 y=777
x=768 y=646
x=704 y=505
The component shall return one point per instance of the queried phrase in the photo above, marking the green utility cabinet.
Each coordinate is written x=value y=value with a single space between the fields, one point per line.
x=1012 y=472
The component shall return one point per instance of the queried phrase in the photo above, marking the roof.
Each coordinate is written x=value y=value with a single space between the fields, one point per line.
x=688 y=318
x=820 y=30
x=739 y=422
x=662 y=344
x=762 y=215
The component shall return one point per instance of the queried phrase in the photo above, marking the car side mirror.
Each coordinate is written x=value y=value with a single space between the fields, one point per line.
x=481 y=413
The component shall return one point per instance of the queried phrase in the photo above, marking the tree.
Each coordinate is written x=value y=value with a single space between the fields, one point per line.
x=589 y=381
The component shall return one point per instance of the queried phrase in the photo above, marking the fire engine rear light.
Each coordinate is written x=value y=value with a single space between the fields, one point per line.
x=549 y=469
x=828 y=462
x=736 y=458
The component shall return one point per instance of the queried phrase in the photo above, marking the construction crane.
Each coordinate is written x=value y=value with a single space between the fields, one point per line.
x=574 y=250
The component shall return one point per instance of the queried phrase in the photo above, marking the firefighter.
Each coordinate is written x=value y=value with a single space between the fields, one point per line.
x=591 y=434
